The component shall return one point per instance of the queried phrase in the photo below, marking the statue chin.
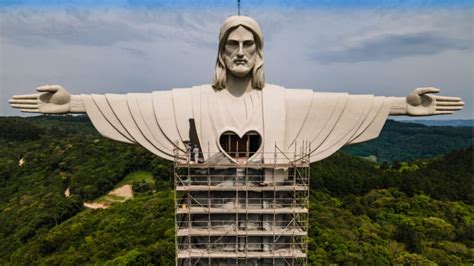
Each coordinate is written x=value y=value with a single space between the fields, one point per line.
x=240 y=71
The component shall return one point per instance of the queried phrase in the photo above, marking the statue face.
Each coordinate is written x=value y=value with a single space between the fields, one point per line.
x=240 y=52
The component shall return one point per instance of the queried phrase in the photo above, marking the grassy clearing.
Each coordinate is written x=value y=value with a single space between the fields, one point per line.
x=128 y=180
x=109 y=200
x=137 y=176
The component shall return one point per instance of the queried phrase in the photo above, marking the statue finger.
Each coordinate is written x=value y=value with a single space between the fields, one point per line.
x=447 y=99
x=25 y=106
x=421 y=91
x=443 y=112
x=445 y=108
x=441 y=103
x=30 y=110
x=48 y=88
x=26 y=96
x=23 y=101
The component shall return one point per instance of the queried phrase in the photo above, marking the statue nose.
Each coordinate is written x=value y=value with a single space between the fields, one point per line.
x=240 y=52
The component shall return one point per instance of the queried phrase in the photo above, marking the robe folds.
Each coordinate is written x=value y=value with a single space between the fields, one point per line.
x=286 y=119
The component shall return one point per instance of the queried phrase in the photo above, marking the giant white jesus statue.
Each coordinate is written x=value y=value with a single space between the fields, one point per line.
x=238 y=101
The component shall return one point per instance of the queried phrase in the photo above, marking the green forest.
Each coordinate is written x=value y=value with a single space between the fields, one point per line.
x=404 y=198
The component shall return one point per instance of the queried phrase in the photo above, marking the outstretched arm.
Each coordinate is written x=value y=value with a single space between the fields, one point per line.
x=50 y=99
x=421 y=102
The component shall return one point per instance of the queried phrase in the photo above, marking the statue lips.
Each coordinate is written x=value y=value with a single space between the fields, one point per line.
x=231 y=153
x=240 y=61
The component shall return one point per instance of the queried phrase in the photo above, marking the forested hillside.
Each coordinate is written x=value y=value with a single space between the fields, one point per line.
x=408 y=141
x=403 y=212
x=442 y=122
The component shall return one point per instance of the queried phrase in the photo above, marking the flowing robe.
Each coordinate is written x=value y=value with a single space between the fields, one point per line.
x=286 y=119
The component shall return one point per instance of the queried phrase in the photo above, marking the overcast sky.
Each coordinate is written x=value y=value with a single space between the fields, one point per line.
x=388 y=48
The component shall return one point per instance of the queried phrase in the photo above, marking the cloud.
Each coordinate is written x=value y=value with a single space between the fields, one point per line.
x=394 y=46
x=249 y=3
x=106 y=27
x=143 y=49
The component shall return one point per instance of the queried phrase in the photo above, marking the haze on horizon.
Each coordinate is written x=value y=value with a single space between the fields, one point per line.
x=388 y=48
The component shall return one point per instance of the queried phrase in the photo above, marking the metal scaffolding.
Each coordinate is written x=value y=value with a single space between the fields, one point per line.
x=242 y=211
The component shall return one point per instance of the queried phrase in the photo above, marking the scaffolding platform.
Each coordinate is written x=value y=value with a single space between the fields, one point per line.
x=203 y=210
x=234 y=232
x=241 y=188
x=197 y=253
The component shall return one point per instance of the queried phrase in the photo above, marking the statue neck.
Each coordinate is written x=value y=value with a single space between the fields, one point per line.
x=239 y=86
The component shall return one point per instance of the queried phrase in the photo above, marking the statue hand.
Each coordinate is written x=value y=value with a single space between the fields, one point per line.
x=420 y=103
x=51 y=99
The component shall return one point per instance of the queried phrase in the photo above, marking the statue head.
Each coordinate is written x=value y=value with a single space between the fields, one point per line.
x=240 y=59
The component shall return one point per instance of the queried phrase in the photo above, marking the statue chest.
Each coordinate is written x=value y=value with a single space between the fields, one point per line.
x=236 y=114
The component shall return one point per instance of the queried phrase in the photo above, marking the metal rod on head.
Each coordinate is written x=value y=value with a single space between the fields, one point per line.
x=238 y=7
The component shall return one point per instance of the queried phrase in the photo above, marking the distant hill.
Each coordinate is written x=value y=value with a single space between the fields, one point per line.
x=400 y=141
x=448 y=122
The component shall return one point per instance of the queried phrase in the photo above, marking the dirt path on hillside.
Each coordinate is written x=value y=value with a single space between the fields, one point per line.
x=95 y=205
x=125 y=192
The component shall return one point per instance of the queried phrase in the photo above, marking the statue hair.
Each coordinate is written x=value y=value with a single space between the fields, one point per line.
x=220 y=72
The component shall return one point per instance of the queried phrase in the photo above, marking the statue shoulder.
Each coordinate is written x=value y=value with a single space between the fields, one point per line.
x=287 y=91
x=183 y=92
x=207 y=87
x=204 y=87
x=272 y=87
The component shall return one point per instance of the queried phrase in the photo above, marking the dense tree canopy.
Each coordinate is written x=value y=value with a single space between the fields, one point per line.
x=407 y=141
x=398 y=212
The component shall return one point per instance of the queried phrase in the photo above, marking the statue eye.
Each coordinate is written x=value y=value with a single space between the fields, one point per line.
x=248 y=43
x=232 y=43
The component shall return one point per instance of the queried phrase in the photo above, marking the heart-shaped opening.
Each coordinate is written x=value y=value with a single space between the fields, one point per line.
x=240 y=147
